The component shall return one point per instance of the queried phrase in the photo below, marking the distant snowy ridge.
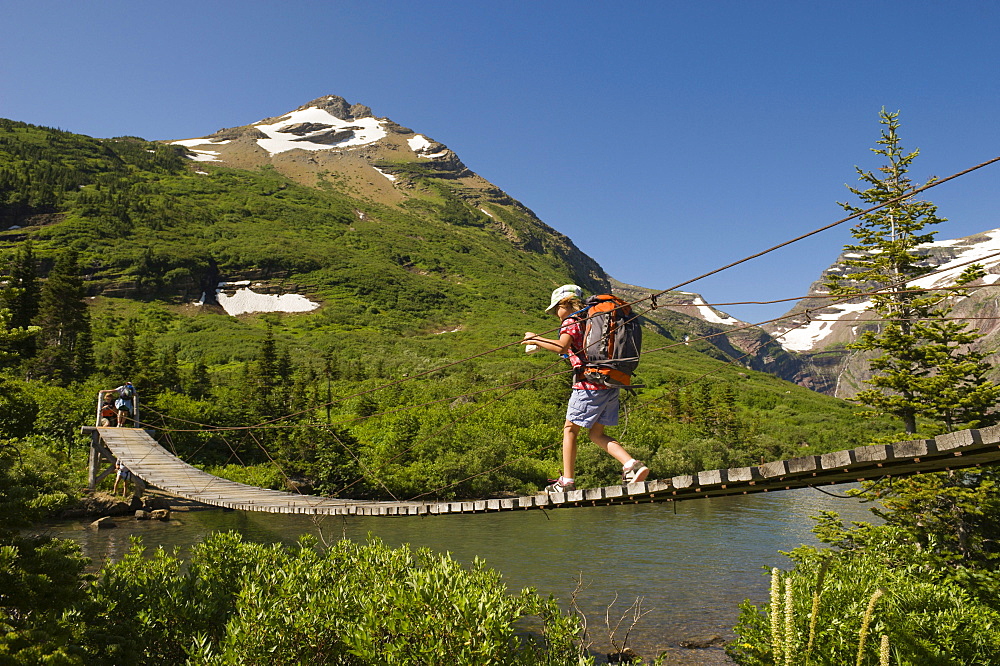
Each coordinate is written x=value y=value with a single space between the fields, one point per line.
x=808 y=336
x=805 y=333
x=969 y=249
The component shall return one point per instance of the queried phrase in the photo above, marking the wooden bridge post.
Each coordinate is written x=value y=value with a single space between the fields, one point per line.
x=138 y=486
x=97 y=416
x=98 y=454
x=93 y=462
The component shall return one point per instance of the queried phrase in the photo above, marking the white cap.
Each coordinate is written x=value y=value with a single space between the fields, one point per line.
x=565 y=291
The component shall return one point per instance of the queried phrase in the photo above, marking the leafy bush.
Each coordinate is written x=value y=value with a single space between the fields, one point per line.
x=238 y=602
x=926 y=580
x=40 y=577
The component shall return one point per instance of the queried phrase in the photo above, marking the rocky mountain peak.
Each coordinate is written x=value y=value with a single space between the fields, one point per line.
x=330 y=135
x=338 y=106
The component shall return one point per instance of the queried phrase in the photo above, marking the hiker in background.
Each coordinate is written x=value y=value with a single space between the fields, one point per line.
x=592 y=406
x=125 y=402
x=109 y=414
x=122 y=474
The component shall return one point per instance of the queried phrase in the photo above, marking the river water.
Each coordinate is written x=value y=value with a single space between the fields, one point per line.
x=690 y=563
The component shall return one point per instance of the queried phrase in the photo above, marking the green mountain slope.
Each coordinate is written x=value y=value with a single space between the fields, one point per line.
x=375 y=392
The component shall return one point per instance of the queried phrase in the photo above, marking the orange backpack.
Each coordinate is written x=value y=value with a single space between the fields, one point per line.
x=612 y=342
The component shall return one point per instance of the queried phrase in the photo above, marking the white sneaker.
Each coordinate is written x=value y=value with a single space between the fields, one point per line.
x=557 y=486
x=638 y=472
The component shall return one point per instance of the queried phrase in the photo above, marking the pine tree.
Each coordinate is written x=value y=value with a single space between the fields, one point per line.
x=23 y=282
x=62 y=316
x=22 y=295
x=168 y=370
x=12 y=338
x=125 y=361
x=924 y=366
x=197 y=382
x=83 y=350
x=269 y=377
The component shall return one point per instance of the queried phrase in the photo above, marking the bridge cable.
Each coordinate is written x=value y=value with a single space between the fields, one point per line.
x=933 y=183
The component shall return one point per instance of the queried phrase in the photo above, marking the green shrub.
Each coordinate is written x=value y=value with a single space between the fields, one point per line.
x=238 y=602
x=926 y=579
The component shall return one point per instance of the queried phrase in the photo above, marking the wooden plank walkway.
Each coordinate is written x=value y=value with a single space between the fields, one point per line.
x=967 y=448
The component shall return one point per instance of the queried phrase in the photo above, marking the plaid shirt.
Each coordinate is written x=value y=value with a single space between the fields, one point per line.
x=572 y=327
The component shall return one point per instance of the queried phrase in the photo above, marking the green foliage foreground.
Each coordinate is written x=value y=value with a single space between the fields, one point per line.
x=239 y=602
x=234 y=602
x=922 y=588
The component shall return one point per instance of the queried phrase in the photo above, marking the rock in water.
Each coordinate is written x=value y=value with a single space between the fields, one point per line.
x=103 y=523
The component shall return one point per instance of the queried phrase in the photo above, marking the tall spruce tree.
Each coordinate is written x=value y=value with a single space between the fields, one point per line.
x=125 y=357
x=197 y=383
x=23 y=298
x=65 y=324
x=923 y=365
x=22 y=295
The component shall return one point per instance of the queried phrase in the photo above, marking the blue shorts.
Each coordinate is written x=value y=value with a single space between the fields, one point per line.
x=588 y=408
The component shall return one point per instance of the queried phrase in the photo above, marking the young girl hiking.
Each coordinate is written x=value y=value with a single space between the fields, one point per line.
x=591 y=406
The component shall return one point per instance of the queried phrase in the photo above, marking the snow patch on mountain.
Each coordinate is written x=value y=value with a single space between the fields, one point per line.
x=420 y=144
x=711 y=315
x=282 y=135
x=984 y=245
x=387 y=175
x=202 y=155
x=205 y=155
x=189 y=143
x=806 y=337
x=244 y=301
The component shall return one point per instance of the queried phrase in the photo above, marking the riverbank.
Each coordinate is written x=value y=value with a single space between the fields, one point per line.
x=98 y=504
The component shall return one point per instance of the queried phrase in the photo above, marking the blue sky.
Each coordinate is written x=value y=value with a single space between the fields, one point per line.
x=666 y=139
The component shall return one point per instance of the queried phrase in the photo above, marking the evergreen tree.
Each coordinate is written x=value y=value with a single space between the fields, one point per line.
x=330 y=373
x=168 y=371
x=269 y=378
x=11 y=339
x=22 y=296
x=83 y=352
x=283 y=369
x=924 y=366
x=23 y=299
x=197 y=382
x=62 y=316
x=125 y=361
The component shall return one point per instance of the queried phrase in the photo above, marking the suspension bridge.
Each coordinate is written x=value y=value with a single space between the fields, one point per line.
x=153 y=466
